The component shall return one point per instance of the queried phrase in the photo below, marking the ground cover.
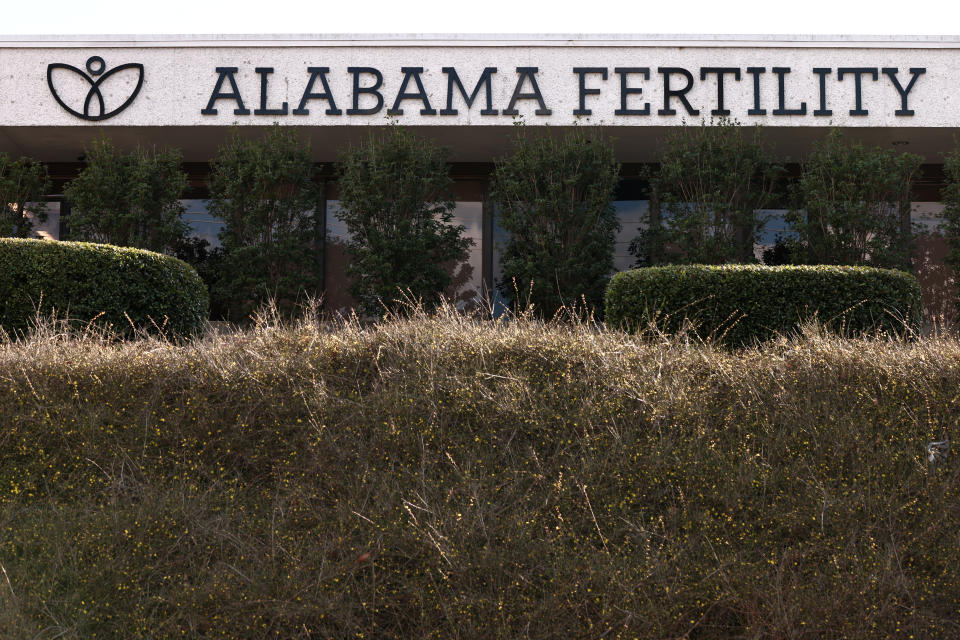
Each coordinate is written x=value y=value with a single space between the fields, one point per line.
x=442 y=476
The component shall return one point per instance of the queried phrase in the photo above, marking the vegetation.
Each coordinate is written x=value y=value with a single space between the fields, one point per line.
x=396 y=201
x=128 y=200
x=742 y=304
x=554 y=197
x=439 y=476
x=710 y=182
x=265 y=192
x=126 y=289
x=22 y=182
x=854 y=205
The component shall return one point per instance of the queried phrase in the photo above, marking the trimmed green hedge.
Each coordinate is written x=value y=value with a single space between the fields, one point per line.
x=85 y=281
x=738 y=304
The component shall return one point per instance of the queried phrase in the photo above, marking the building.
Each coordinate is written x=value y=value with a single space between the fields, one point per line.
x=59 y=93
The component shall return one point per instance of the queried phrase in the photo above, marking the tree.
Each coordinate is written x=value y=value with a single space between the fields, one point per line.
x=265 y=192
x=554 y=196
x=854 y=205
x=130 y=200
x=22 y=181
x=710 y=183
x=395 y=199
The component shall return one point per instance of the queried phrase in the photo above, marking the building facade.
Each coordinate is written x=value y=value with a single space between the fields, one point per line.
x=468 y=92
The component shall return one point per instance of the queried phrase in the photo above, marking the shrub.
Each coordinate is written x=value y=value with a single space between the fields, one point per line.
x=739 y=304
x=126 y=288
x=395 y=199
x=265 y=192
x=854 y=205
x=554 y=197
x=710 y=183
x=128 y=200
x=22 y=181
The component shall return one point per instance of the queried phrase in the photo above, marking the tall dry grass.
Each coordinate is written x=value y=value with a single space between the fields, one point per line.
x=452 y=477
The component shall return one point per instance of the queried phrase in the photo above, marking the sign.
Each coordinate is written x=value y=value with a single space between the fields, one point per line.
x=94 y=107
x=476 y=85
x=674 y=85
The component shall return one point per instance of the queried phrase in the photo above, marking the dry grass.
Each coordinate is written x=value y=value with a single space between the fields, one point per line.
x=450 y=477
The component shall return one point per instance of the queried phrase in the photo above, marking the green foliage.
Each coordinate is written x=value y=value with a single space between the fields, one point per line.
x=740 y=304
x=554 y=197
x=854 y=205
x=950 y=196
x=124 y=288
x=451 y=477
x=265 y=192
x=710 y=183
x=396 y=201
x=128 y=200
x=22 y=181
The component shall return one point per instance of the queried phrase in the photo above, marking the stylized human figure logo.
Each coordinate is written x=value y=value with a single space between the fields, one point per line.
x=94 y=106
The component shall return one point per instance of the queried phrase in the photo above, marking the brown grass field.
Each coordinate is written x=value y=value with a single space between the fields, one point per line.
x=443 y=476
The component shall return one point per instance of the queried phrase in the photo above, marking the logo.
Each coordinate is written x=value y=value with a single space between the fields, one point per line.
x=96 y=81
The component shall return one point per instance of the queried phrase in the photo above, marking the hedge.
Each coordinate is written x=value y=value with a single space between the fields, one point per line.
x=740 y=304
x=121 y=287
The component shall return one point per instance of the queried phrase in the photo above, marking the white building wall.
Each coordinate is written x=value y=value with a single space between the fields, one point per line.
x=180 y=74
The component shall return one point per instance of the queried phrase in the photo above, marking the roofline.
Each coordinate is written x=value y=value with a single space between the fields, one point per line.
x=482 y=40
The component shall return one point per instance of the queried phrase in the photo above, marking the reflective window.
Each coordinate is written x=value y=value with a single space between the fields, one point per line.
x=202 y=224
x=500 y=237
x=468 y=275
x=775 y=228
x=927 y=217
x=633 y=215
x=336 y=296
x=50 y=229
x=937 y=280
